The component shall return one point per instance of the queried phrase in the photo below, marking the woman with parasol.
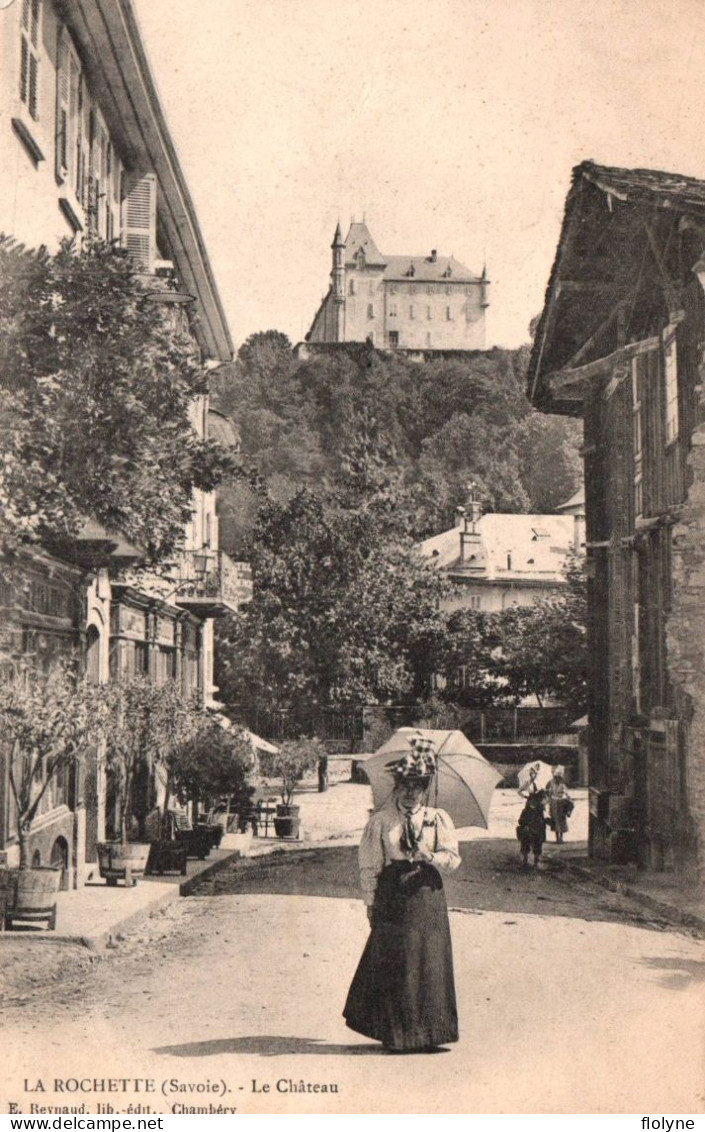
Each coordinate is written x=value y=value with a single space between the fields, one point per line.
x=403 y=993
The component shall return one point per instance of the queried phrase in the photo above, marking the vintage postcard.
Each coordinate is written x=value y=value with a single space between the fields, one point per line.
x=352 y=528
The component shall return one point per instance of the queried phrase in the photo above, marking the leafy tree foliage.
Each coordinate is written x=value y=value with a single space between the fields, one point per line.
x=49 y=722
x=429 y=428
x=294 y=759
x=96 y=386
x=540 y=651
x=213 y=763
x=142 y=723
x=340 y=614
x=543 y=648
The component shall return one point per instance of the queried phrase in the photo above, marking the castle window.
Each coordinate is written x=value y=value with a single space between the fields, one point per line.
x=428 y=312
x=449 y=290
x=29 y=56
x=429 y=289
x=393 y=289
x=370 y=310
x=411 y=312
x=449 y=314
x=393 y=310
x=428 y=338
x=351 y=287
x=393 y=337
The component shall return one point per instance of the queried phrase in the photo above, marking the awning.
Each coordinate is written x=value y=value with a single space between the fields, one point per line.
x=257 y=742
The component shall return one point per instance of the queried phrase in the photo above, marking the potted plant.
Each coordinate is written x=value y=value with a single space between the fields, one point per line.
x=178 y=719
x=211 y=767
x=49 y=717
x=294 y=759
x=140 y=729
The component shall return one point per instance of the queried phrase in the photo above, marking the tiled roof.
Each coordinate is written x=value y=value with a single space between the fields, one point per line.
x=645 y=184
x=510 y=548
x=576 y=501
x=426 y=269
x=359 y=237
x=444 y=269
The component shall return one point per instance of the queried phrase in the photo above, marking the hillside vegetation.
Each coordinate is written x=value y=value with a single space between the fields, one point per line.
x=427 y=429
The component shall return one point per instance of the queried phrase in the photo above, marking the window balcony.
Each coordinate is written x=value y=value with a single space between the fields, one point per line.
x=212 y=584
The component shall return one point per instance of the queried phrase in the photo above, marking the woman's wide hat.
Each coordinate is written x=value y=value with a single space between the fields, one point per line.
x=417 y=764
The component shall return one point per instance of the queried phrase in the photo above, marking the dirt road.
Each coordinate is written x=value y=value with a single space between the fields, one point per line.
x=232 y=998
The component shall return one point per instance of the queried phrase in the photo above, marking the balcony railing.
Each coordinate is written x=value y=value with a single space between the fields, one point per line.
x=223 y=588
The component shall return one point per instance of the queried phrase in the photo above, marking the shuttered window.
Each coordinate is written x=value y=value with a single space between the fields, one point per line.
x=63 y=109
x=638 y=438
x=140 y=219
x=670 y=371
x=29 y=56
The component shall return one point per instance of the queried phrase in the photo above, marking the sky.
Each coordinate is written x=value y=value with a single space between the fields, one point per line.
x=447 y=124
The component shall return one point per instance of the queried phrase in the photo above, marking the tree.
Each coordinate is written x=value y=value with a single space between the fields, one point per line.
x=96 y=388
x=213 y=763
x=468 y=661
x=549 y=460
x=340 y=616
x=145 y=722
x=50 y=719
x=543 y=648
x=294 y=759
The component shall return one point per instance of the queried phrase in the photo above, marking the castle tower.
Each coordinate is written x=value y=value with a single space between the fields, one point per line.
x=338 y=285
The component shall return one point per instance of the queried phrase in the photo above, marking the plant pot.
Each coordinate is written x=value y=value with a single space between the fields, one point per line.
x=167 y=857
x=122 y=862
x=198 y=841
x=32 y=896
x=287 y=823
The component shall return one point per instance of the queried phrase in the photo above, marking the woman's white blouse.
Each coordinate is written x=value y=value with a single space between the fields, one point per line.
x=381 y=843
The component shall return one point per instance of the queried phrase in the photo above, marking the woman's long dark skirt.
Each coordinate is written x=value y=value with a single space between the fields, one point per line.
x=403 y=992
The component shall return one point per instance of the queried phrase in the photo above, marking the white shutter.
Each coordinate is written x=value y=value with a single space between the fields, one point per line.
x=139 y=225
x=63 y=115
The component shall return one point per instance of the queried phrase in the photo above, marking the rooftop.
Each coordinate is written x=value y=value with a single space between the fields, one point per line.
x=531 y=548
x=629 y=241
x=422 y=268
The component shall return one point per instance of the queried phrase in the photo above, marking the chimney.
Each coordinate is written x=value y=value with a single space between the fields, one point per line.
x=459 y=517
x=434 y=255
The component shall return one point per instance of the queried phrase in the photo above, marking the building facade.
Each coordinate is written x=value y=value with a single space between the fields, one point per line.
x=620 y=344
x=495 y=561
x=416 y=303
x=86 y=151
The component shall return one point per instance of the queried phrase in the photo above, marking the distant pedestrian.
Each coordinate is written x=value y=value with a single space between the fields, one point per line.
x=531 y=786
x=323 y=774
x=403 y=993
x=560 y=804
x=531 y=829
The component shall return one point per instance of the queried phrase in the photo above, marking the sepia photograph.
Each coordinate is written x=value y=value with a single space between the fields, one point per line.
x=352 y=558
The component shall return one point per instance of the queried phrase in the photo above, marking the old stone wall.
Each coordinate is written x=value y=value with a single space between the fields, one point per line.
x=685 y=634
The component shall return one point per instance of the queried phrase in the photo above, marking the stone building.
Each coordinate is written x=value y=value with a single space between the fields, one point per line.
x=406 y=302
x=498 y=560
x=86 y=148
x=620 y=344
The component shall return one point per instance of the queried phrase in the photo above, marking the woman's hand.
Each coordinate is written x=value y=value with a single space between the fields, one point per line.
x=422 y=854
